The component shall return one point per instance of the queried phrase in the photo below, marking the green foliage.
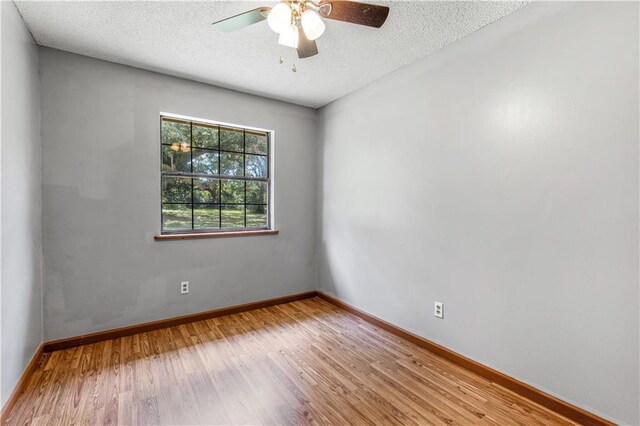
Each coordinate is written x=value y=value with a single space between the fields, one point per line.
x=175 y=161
x=256 y=193
x=256 y=143
x=216 y=203
x=232 y=192
x=175 y=133
x=205 y=161
x=231 y=164
x=205 y=137
x=176 y=190
x=178 y=217
x=206 y=191
x=231 y=140
x=256 y=212
x=256 y=166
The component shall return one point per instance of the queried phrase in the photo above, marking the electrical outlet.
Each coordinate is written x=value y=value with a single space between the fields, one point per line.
x=184 y=287
x=438 y=309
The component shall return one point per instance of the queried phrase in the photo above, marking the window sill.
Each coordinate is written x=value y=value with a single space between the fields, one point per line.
x=195 y=236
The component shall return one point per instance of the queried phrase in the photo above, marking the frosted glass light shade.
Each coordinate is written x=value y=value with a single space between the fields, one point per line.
x=312 y=24
x=279 y=17
x=289 y=37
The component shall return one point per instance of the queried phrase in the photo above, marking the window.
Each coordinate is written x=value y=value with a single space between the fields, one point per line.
x=214 y=177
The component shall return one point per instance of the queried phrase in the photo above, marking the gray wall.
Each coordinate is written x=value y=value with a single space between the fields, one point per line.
x=500 y=176
x=101 y=200
x=21 y=282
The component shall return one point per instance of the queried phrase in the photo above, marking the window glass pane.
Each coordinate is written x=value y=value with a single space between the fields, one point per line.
x=207 y=201
x=176 y=189
x=206 y=191
x=232 y=192
x=205 y=161
x=206 y=216
x=176 y=160
x=231 y=140
x=256 y=216
x=256 y=143
x=232 y=216
x=256 y=166
x=256 y=192
x=205 y=136
x=231 y=164
x=175 y=133
x=176 y=217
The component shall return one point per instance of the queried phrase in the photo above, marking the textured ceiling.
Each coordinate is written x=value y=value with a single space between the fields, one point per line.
x=176 y=38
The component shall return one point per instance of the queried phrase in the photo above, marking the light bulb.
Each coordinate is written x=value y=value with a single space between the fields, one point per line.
x=175 y=146
x=312 y=24
x=280 y=17
x=289 y=37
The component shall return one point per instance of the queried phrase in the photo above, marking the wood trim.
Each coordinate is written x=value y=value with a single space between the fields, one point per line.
x=174 y=120
x=99 y=336
x=22 y=383
x=544 y=399
x=197 y=235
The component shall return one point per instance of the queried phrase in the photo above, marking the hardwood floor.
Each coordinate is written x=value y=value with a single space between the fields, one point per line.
x=298 y=363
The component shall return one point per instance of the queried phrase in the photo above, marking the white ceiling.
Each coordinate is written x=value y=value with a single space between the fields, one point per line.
x=176 y=38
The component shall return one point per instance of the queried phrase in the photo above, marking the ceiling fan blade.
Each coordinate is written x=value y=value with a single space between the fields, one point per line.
x=306 y=47
x=354 y=12
x=242 y=20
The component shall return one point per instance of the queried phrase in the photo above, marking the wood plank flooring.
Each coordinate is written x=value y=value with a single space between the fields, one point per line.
x=306 y=362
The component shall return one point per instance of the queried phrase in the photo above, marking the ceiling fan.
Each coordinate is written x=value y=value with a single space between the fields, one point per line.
x=299 y=22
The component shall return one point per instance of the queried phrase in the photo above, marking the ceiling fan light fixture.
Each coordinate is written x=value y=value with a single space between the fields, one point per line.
x=312 y=24
x=289 y=37
x=300 y=22
x=279 y=18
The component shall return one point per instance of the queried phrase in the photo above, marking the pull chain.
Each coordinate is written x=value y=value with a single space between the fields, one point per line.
x=281 y=61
